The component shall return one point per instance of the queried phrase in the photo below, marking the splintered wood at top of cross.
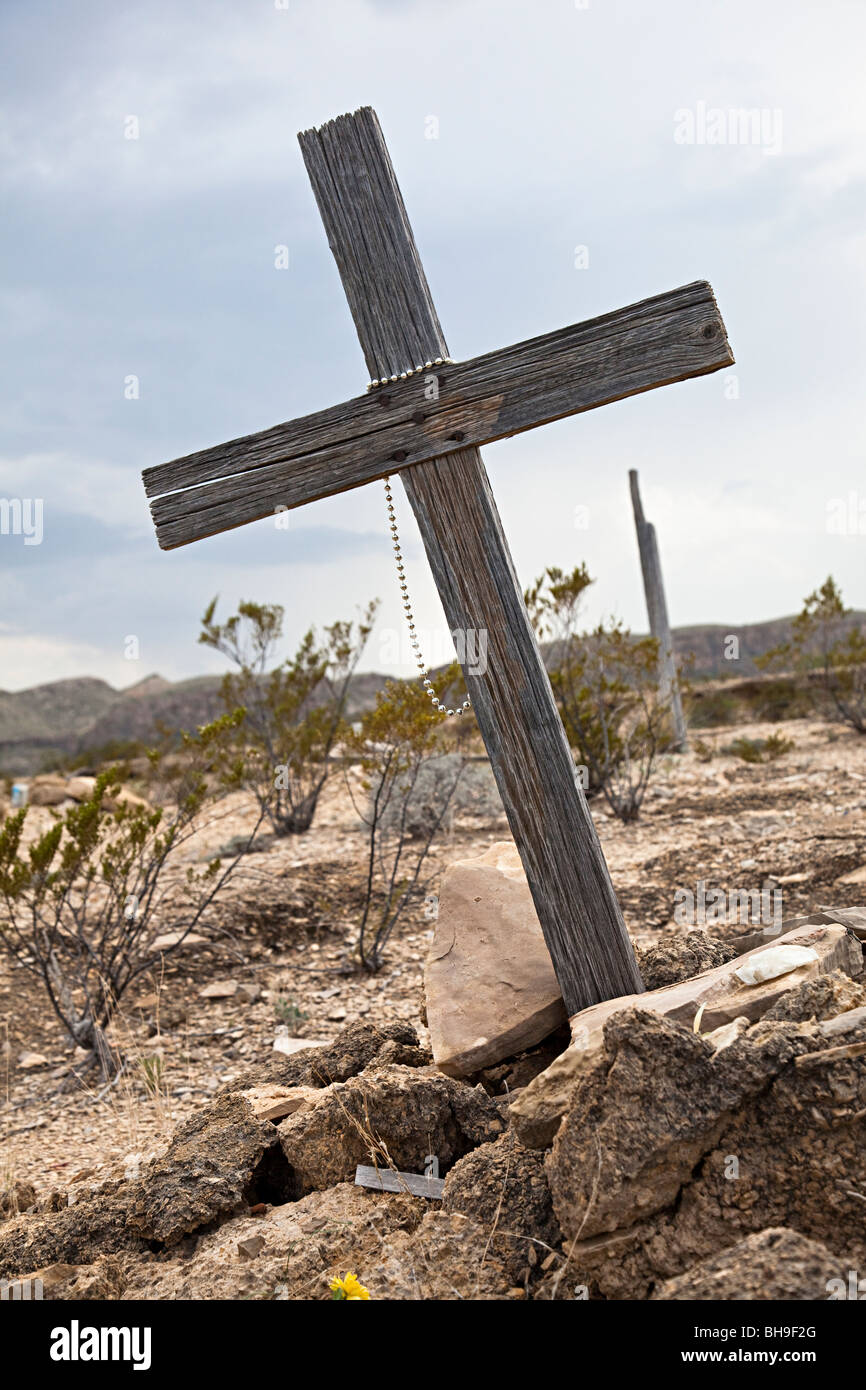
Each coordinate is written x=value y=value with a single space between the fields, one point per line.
x=431 y=438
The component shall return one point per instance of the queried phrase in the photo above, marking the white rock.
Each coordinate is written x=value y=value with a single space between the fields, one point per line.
x=777 y=960
x=289 y=1046
x=29 y=1061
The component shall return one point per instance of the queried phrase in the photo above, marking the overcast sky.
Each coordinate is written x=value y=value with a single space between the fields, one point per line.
x=556 y=126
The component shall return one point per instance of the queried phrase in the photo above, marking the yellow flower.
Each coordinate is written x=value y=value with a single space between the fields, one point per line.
x=348 y=1289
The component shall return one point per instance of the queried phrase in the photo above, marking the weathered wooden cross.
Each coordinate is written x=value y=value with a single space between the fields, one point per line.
x=431 y=436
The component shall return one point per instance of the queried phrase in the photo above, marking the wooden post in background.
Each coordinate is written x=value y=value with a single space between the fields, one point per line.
x=657 y=611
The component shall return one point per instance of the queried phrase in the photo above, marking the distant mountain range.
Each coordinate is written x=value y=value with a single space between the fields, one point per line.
x=67 y=718
x=48 y=723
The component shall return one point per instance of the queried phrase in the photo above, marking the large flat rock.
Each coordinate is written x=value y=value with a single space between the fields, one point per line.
x=489 y=981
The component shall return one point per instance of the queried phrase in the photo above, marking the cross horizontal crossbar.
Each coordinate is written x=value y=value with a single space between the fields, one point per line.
x=656 y=342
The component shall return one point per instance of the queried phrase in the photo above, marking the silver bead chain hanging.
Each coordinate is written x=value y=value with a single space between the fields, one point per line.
x=410 y=618
x=410 y=371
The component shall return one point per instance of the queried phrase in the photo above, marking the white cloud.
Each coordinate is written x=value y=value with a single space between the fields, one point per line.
x=154 y=256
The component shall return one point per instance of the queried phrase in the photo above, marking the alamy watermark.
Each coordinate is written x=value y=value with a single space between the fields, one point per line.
x=846 y=516
x=852 y=1288
x=21 y=1291
x=470 y=647
x=760 y=126
x=77 y=1343
x=755 y=906
x=22 y=516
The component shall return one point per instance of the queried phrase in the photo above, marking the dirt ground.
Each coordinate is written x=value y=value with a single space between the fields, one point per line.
x=285 y=930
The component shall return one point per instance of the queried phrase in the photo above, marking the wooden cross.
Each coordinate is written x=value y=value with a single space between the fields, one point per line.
x=426 y=421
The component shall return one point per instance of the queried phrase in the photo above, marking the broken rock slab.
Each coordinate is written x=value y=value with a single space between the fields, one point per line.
x=394 y=1116
x=503 y=1188
x=205 y=1171
x=72 y=1235
x=720 y=995
x=774 y=1264
x=489 y=982
x=271 y=1101
x=675 y=1149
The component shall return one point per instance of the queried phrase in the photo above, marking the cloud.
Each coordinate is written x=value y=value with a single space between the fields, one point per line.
x=154 y=258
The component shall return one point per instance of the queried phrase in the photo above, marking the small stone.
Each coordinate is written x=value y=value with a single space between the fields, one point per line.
x=289 y=1046
x=274 y=1102
x=30 y=1061
x=251 y=1247
x=853 y=878
x=220 y=989
x=171 y=939
x=777 y=1263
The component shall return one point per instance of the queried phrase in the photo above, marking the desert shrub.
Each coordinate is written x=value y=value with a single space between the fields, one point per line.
x=776 y=700
x=80 y=904
x=606 y=685
x=831 y=651
x=409 y=778
x=113 y=753
x=288 y=1012
x=702 y=750
x=760 y=750
x=294 y=710
x=776 y=745
x=747 y=749
x=708 y=709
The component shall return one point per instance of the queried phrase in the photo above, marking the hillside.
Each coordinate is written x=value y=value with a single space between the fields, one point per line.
x=68 y=717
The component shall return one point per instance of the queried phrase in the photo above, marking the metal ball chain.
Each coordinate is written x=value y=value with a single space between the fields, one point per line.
x=410 y=371
x=410 y=617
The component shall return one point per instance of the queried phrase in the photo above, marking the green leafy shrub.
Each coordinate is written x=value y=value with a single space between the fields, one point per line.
x=294 y=710
x=831 y=651
x=606 y=685
x=760 y=750
x=82 y=907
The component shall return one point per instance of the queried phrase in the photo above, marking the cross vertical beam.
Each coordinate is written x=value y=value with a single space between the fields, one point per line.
x=369 y=233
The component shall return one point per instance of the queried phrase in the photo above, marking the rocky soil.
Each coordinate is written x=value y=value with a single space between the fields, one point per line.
x=686 y=1165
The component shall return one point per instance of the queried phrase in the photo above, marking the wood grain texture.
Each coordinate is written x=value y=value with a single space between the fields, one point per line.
x=372 y=242
x=654 y=343
x=388 y=1180
x=657 y=612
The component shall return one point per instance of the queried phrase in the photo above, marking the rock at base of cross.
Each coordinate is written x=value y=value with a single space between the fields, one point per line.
x=489 y=983
x=718 y=1004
